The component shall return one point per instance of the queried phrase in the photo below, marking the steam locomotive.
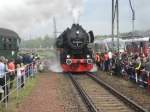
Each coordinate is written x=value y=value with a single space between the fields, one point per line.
x=75 y=53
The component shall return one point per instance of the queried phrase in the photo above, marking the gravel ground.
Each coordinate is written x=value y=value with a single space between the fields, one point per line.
x=70 y=96
x=102 y=99
x=44 y=97
x=53 y=93
x=127 y=88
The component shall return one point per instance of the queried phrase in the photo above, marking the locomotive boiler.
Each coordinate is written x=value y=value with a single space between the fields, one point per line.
x=75 y=53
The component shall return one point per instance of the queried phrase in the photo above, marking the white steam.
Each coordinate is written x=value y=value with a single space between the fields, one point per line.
x=76 y=15
x=76 y=7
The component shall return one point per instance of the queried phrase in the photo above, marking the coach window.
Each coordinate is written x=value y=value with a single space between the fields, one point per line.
x=0 y=37
x=5 y=46
x=10 y=39
x=14 y=40
x=6 y=40
x=10 y=46
x=18 y=43
x=0 y=42
x=15 y=43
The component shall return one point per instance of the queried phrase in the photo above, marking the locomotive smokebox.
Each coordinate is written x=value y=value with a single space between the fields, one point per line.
x=77 y=37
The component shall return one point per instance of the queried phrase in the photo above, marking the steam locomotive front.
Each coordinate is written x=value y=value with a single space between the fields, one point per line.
x=77 y=37
x=75 y=55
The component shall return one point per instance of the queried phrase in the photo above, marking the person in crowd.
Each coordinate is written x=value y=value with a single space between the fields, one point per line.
x=130 y=69
x=102 y=61
x=27 y=59
x=136 y=61
x=24 y=58
x=106 y=63
x=97 y=59
x=41 y=68
x=143 y=74
x=147 y=65
x=147 y=68
x=117 y=70
x=2 y=76
x=19 y=83
x=19 y=60
x=113 y=64
x=125 y=67
x=30 y=60
x=11 y=69
x=36 y=57
x=7 y=76
x=110 y=59
x=23 y=76
x=34 y=66
x=3 y=70
x=31 y=68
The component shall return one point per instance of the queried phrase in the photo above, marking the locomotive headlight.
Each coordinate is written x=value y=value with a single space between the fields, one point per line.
x=88 y=56
x=68 y=56
x=89 y=61
x=77 y=32
x=68 y=61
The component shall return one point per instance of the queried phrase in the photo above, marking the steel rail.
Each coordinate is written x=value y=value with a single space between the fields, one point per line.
x=90 y=105
x=123 y=98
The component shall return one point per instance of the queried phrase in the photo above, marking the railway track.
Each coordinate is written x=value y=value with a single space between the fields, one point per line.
x=100 y=97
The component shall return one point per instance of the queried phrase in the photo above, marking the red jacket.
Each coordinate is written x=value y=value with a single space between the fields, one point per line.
x=11 y=67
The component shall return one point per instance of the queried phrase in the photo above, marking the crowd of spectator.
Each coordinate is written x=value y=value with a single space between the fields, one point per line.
x=131 y=66
x=20 y=68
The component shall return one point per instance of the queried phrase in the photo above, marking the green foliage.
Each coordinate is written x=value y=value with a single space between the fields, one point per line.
x=46 y=54
x=39 y=42
x=101 y=36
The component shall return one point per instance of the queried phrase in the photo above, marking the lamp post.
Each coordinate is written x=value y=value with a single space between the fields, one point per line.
x=117 y=10
x=113 y=25
x=133 y=15
x=115 y=16
x=55 y=28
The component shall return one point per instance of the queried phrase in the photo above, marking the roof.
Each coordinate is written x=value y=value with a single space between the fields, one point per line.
x=123 y=40
x=8 y=33
x=137 y=39
x=108 y=40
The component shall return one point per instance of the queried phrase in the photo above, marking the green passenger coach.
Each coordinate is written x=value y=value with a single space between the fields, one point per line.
x=9 y=43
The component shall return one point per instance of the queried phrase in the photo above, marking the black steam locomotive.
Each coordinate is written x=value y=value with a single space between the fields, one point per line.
x=75 y=54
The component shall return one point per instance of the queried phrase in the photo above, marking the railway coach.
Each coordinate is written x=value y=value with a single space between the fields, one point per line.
x=9 y=43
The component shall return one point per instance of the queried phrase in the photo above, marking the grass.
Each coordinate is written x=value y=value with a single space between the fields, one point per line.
x=46 y=55
x=15 y=101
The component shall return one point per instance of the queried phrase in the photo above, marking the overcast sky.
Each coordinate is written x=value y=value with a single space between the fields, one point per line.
x=31 y=18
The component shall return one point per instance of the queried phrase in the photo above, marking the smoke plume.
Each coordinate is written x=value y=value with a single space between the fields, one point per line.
x=75 y=7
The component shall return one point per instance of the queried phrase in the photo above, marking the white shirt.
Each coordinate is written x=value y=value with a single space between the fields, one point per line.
x=18 y=72
x=110 y=55
x=2 y=70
